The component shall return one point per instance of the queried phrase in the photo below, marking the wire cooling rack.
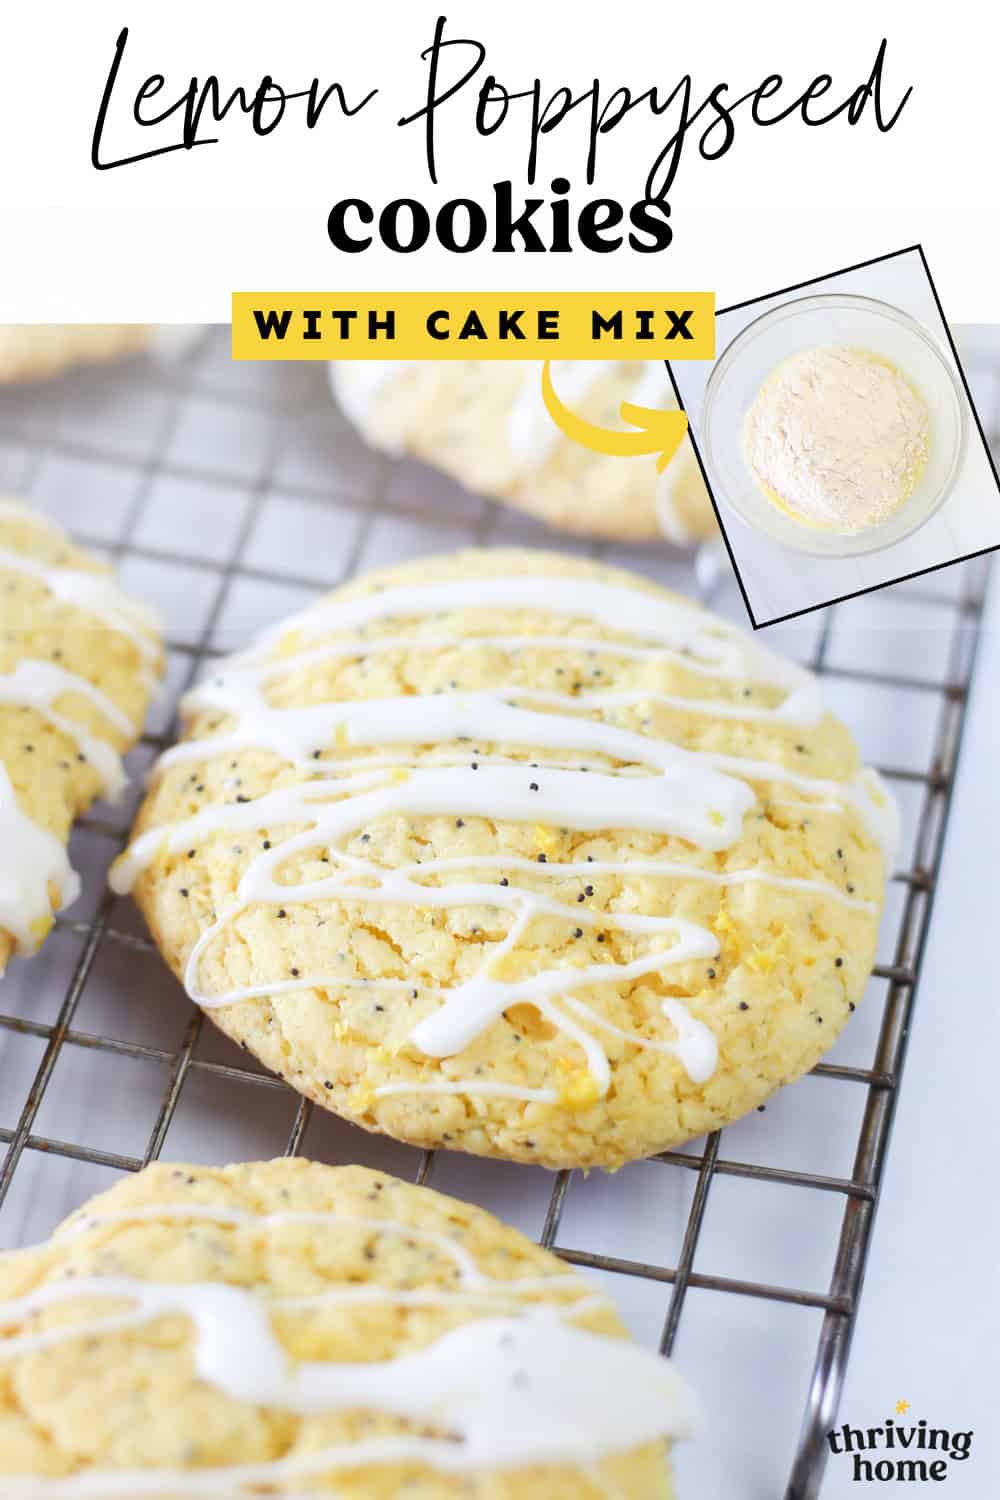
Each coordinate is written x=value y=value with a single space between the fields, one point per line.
x=233 y=494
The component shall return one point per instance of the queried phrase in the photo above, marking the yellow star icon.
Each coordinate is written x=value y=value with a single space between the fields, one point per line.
x=902 y=1407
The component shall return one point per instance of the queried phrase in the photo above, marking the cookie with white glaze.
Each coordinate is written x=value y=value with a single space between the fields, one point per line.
x=514 y=853
x=287 y=1328
x=484 y=423
x=38 y=351
x=79 y=661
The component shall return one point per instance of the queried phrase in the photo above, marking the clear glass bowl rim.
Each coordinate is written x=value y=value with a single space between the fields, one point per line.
x=817 y=302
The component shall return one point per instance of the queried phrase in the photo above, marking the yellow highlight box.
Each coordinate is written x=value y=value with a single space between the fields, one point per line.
x=473 y=325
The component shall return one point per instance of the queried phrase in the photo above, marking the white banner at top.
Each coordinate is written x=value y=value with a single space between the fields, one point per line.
x=158 y=157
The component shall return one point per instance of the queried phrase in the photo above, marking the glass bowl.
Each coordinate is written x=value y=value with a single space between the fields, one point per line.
x=809 y=323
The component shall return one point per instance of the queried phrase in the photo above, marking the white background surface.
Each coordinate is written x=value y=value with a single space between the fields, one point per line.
x=171 y=238
x=780 y=582
x=250 y=465
x=930 y=1315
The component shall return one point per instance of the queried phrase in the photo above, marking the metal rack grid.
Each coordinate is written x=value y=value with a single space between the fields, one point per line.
x=172 y=444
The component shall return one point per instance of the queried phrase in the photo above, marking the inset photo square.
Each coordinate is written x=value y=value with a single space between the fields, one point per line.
x=838 y=438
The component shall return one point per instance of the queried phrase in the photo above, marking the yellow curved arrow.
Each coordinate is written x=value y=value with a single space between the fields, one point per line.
x=659 y=431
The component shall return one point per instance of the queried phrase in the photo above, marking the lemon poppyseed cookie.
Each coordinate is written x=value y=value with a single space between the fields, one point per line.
x=38 y=351
x=289 y=1328
x=519 y=854
x=485 y=424
x=78 y=663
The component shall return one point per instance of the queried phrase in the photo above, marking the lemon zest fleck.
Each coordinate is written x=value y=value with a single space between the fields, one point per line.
x=763 y=958
x=41 y=927
x=723 y=921
x=580 y=1090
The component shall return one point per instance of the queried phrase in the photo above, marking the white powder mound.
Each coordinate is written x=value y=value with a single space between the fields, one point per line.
x=837 y=438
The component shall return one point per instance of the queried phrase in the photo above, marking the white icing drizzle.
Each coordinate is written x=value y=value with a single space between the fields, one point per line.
x=360 y=384
x=879 y=811
x=34 y=860
x=671 y=523
x=512 y=1391
x=866 y=793
x=678 y=629
x=531 y=433
x=34 y=863
x=709 y=562
x=96 y=594
x=471 y=1006
x=170 y=342
x=505 y=1391
x=38 y=684
x=496 y=792
x=258 y=661
x=699 y=797
x=653 y=389
x=671 y=868
x=446 y=717
x=532 y=436
x=296 y=733
x=697 y=805
x=469 y=1274
x=509 y=1302
x=695 y=1044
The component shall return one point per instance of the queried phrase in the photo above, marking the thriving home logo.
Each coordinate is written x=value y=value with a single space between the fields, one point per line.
x=899 y=1452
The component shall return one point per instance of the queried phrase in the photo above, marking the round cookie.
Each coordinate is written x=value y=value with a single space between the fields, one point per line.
x=37 y=351
x=284 y=1327
x=514 y=853
x=79 y=661
x=484 y=423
